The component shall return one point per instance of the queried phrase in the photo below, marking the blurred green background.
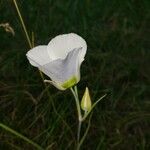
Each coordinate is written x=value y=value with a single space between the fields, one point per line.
x=117 y=63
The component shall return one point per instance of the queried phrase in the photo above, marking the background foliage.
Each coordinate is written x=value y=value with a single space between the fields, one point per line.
x=117 y=63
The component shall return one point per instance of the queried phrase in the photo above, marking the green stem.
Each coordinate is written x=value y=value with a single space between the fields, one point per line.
x=75 y=94
x=77 y=104
x=78 y=135
x=22 y=22
x=21 y=136
x=86 y=132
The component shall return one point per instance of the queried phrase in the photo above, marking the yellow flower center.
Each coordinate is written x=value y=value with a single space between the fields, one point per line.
x=69 y=83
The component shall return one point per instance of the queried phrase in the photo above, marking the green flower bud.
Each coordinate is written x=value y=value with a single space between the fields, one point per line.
x=86 y=101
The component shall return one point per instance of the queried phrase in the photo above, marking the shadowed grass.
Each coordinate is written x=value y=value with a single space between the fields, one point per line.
x=20 y=136
x=117 y=63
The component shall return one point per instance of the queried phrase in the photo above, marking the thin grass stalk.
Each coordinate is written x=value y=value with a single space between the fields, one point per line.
x=22 y=23
x=21 y=136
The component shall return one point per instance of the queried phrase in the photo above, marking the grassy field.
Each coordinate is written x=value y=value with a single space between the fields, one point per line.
x=117 y=63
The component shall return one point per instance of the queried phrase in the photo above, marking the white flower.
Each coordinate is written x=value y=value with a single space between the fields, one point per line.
x=60 y=59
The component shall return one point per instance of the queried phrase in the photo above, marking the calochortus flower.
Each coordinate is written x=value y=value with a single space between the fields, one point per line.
x=60 y=59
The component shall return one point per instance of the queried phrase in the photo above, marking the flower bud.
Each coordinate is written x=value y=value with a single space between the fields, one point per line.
x=86 y=101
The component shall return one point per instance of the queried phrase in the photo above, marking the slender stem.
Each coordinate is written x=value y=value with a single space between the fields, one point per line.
x=78 y=134
x=76 y=91
x=80 y=121
x=22 y=22
x=85 y=134
x=75 y=94
x=21 y=136
x=77 y=104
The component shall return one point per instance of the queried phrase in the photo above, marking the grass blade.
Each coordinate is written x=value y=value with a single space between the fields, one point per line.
x=21 y=136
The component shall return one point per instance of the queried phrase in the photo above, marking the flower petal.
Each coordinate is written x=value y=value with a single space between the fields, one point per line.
x=38 y=56
x=61 y=45
x=64 y=70
x=55 y=84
